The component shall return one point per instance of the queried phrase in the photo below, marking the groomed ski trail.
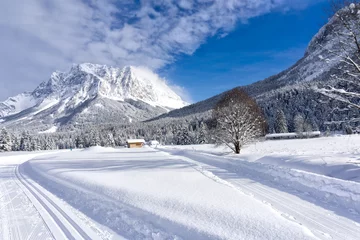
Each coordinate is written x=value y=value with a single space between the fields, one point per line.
x=28 y=211
x=19 y=219
x=61 y=224
x=323 y=223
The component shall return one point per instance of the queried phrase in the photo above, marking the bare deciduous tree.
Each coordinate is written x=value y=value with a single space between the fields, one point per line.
x=239 y=120
x=347 y=50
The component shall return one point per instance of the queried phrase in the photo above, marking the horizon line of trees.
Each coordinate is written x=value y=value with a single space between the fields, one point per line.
x=177 y=132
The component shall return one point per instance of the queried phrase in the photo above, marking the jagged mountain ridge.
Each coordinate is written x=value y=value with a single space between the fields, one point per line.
x=91 y=93
x=293 y=89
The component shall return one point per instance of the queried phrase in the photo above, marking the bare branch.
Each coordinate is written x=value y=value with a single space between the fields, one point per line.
x=239 y=120
x=346 y=52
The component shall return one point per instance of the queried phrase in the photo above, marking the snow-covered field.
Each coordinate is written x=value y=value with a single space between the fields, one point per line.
x=286 y=189
x=336 y=156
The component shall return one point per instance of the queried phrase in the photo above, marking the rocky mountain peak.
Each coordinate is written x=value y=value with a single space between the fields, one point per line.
x=67 y=94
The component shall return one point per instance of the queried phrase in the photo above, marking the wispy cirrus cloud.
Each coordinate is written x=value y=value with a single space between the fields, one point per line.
x=40 y=36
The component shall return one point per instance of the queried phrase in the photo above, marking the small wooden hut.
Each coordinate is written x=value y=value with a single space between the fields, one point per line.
x=135 y=143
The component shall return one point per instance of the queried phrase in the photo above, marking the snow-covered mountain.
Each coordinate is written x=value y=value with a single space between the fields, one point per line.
x=293 y=89
x=16 y=104
x=91 y=93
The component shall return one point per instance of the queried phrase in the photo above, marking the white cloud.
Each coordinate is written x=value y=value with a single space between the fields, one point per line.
x=40 y=36
x=182 y=92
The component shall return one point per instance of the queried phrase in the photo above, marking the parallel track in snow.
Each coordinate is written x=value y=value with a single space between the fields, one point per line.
x=19 y=219
x=323 y=223
x=62 y=225
x=12 y=231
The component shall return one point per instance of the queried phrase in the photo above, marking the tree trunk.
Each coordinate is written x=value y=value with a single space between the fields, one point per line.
x=237 y=148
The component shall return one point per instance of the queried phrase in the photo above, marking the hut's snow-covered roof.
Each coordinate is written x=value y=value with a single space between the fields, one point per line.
x=135 y=141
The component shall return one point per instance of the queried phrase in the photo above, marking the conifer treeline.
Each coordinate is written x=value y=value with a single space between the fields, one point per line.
x=177 y=132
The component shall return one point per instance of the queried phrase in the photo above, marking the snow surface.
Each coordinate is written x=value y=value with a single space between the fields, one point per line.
x=45 y=104
x=184 y=192
x=97 y=149
x=53 y=129
x=335 y=156
x=156 y=197
x=135 y=140
x=17 y=104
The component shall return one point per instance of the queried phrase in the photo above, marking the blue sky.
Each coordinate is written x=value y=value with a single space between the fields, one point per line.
x=265 y=46
x=202 y=47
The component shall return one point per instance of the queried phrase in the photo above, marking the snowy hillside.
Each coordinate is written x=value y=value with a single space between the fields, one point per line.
x=90 y=92
x=293 y=89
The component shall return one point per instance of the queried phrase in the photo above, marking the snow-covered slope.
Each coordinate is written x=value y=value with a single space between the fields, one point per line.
x=133 y=83
x=293 y=89
x=17 y=104
x=90 y=92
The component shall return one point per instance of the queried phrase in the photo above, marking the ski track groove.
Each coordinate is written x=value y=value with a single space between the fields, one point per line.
x=4 y=220
x=21 y=185
x=36 y=192
x=260 y=190
x=48 y=210
x=14 y=232
x=272 y=197
x=9 y=224
x=288 y=200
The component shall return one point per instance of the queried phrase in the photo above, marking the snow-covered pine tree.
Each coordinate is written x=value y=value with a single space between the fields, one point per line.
x=307 y=128
x=79 y=141
x=25 y=141
x=109 y=140
x=299 y=123
x=346 y=129
x=5 y=141
x=34 y=144
x=281 y=125
x=202 y=135
x=49 y=144
x=15 y=143
x=94 y=138
x=327 y=131
x=182 y=136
